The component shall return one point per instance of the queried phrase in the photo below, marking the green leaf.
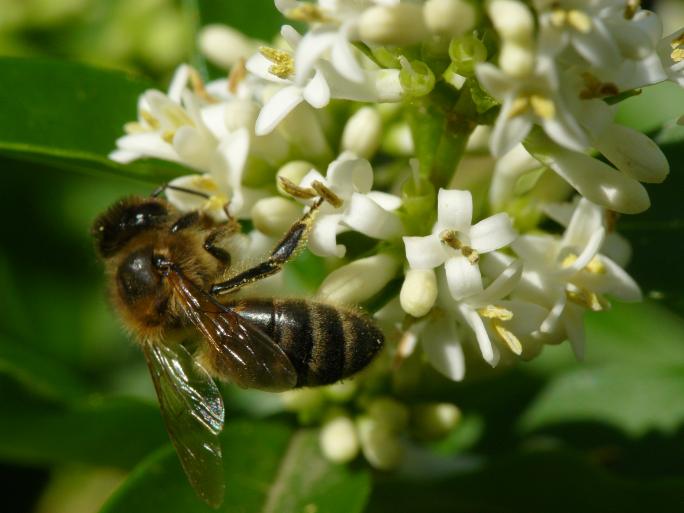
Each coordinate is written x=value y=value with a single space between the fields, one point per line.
x=550 y=481
x=633 y=398
x=99 y=431
x=267 y=469
x=44 y=376
x=69 y=115
x=256 y=18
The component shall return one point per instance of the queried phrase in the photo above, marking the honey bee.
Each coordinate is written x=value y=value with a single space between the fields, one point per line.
x=166 y=275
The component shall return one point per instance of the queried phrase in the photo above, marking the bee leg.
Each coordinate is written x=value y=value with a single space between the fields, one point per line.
x=212 y=247
x=283 y=251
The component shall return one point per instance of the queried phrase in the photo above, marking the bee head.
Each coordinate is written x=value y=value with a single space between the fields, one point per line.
x=126 y=219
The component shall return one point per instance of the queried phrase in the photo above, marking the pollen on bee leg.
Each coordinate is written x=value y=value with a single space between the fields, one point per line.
x=451 y=239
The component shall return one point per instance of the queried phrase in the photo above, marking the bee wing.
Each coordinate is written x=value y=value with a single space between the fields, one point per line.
x=245 y=353
x=192 y=409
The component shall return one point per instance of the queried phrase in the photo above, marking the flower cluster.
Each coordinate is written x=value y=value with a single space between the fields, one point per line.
x=446 y=131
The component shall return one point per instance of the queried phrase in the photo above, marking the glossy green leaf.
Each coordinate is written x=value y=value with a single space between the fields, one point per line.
x=256 y=18
x=69 y=115
x=539 y=481
x=115 y=432
x=268 y=469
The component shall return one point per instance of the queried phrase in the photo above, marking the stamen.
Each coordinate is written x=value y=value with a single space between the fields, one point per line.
x=587 y=299
x=168 y=136
x=495 y=312
x=309 y=13
x=594 y=88
x=677 y=45
x=150 y=119
x=198 y=88
x=579 y=20
x=295 y=190
x=568 y=260
x=519 y=107
x=237 y=74
x=450 y=238
x=543 y=107
x=508 y=338
x=632 y=8
x=596 y=266
x=327 y=195
x=283 y=63
x=558 y=17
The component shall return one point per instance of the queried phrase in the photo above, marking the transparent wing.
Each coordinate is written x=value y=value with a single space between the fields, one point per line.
x=240 y=350
x=192 y=409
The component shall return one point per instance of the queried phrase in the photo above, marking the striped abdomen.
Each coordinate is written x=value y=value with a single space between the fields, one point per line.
x=324 y=343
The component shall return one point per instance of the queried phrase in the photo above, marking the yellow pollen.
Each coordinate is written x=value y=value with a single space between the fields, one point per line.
x=579 y=21
x=520 y=106
x=543 y=107
x=568 y=260
x=283 y=63
x=168 y=136
x=149 y=119
x=595 y=266
x=559 y=17
x=508 y=338
x=450 y=238
x=495 y=312
x=587 y=299
x=677 y=45
x=308 y=13
x=204 y=183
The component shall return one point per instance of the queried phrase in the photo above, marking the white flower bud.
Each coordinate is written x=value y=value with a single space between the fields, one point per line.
x=381 y=446
x=512 y=19
x=389 y=412
x=401 y=25
x=399 y=140
x=449 y=17
x=419 y=292
x=362 y=132
x=224 y=45
x=273 y=216
x=338 y=440
x=435 y=420
x=301 y=399
x=294 y=171
x=516 y=60
x=359 y=280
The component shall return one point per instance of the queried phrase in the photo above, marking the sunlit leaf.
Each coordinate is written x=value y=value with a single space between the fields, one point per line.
x=268 y=469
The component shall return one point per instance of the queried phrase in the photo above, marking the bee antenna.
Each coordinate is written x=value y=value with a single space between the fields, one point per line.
x=165 y=186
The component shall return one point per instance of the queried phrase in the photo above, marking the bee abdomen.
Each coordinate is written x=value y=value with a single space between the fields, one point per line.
x=323 y=342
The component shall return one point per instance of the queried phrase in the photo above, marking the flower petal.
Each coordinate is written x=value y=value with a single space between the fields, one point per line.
x=317 y=92
x=365 y=216
x=424 y=252
x=503 y=285
x=490 y=353
x=454 y=209
x=492 y=233
x=586 y=219
x=277 y=107
x=323 y=236
x=350 y=174
x=385 y=200
x=493 y=80
x=463 y=277
x=443 y=350
x=538 y=251
x=508 y=130
x=310 y=49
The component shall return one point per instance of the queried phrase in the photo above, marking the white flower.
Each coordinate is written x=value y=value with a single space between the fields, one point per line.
x=362 y=210
x=456 y=243
x=671 y=53
x=527 y=101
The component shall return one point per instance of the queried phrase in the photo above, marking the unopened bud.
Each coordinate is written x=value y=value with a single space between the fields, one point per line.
x=338 y=440
x=398 y=140
x=512 y=19
x=293 y=171
x=416 y=78
x=449 y=17
x=432 y=421
x=419 y=292
x=516 y=60
x=224 y=46
x=381 y=446
x=465 y=53
x=401 y=25
x=362 y=132
x=359 y=280
x=274 y=216
x=389 y=412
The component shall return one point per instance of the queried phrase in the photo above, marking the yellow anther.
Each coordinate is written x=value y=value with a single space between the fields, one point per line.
x=594 y=88
x=558 y=17
x=450 y=238
x=587 y=299
x=237 y=74
x=632 y=8
x=568 y=260
x=543 y=107
x=197 y=85
x=495 y=312
x=283 y=63
x=508 y=338
x=596 y=266
x=308 y=13
x=177 y=116
x=677 y=45
x=148 y=118
x=520 y=106
x=168 y=136
x=579 y=20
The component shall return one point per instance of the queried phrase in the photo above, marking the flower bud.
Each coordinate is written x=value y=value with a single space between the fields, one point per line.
x=224 y=46
x=512 y=19
x=381 y=446
x=416 y=78
x=432 y=421
x=401 y=25
x=274 y=216
x=398 y=140
x=359 y=280
x=419 y=292
x=294 y=171
x=516 y=60
x=388 y=85
x=465 y=53
x=449 y=17
x=389 y=412
x=338 y=440
x=362 y=133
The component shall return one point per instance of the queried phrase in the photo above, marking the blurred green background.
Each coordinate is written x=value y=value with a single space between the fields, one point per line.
x=77 y=410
